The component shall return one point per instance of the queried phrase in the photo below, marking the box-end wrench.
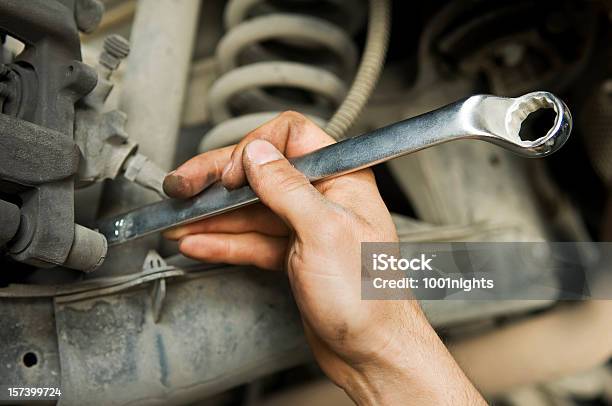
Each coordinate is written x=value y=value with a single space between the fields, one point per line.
x=488 y=118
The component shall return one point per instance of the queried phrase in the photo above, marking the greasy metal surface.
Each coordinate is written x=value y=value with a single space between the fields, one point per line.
x=488 y=118
x=31 y=154
x=98 y=130
x=215 y=332
x=9 y=220
x=28 y=327
x=39 y=157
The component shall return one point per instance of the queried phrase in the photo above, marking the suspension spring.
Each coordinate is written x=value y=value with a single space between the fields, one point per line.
x=273 y=59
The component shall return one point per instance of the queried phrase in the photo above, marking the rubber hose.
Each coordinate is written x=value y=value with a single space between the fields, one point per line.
x=379 y=23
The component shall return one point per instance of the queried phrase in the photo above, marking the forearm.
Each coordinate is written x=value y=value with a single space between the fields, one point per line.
x=415 y=368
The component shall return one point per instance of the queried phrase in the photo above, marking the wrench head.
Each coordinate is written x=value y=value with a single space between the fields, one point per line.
x=556 y=136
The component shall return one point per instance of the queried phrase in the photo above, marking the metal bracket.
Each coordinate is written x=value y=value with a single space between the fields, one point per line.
x=154 y=262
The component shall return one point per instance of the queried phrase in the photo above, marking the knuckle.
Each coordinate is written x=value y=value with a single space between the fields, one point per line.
x=293 y=116
x=297 y=123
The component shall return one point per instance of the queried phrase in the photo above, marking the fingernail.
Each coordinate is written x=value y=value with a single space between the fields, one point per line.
x=261 y=152
x=174 y=185
x=227 y=168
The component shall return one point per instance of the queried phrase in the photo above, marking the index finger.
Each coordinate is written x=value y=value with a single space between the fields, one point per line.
x=197 y=173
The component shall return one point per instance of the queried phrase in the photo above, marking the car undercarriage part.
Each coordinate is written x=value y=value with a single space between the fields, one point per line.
x=524 y=43
x=10 y=220
x=280 y=61
x=101 y=135
x=152 y=100
x=38 y=153
x=487 y=118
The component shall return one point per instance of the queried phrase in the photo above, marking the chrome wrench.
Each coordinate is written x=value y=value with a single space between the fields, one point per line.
x=488 y=118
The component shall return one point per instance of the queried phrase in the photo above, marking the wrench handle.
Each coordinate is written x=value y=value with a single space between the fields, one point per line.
x=488 y=118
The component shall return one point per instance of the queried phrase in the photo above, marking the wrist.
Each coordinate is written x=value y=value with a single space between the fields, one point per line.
x=390 y=378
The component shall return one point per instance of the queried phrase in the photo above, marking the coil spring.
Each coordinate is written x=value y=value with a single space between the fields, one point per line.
x=271 y=60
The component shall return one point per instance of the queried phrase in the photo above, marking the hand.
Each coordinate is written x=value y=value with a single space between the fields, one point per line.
x=378 y=351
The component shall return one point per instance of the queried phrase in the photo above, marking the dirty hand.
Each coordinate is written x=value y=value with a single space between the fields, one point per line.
x=378 y=351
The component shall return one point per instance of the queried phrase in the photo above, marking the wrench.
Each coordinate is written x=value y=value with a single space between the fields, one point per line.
x=483 y=117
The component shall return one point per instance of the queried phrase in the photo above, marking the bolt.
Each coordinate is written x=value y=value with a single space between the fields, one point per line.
x=116 y=48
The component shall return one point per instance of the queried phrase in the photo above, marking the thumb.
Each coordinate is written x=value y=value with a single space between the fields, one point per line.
x=281 y=187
